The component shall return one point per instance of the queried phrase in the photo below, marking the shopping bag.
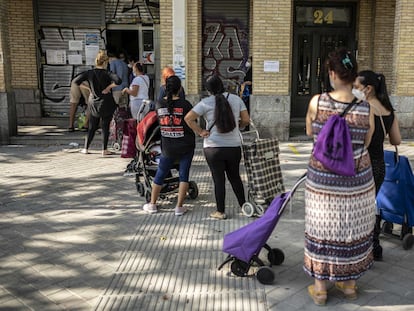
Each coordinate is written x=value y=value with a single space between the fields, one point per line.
x=395 y=199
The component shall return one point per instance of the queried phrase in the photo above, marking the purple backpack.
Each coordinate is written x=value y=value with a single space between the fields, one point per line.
x=333 y=147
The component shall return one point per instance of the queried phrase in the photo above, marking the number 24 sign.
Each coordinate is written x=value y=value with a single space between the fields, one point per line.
x=320 y=17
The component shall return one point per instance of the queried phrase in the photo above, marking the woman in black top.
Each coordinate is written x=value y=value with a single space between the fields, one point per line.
x=177 y=144
x=371 y=87
x=101 y=82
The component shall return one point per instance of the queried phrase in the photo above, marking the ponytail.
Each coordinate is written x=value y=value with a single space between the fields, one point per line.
x=223 y=114
x=382 y=93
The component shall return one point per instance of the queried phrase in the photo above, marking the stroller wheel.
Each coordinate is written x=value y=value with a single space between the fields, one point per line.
x=140 y=188
x=260 y=210
x=248 y=209
x=192 y=190
x=408 y=241
x=239 y=267
x=387 y=227
x=148 y=196
x=276 y=256
x=116 y=146
x=265 y=275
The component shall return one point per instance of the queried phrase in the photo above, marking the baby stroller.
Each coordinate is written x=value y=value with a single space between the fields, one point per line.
x=245 y=244
x=395 y=200
x=146 y=161
x=264 y=175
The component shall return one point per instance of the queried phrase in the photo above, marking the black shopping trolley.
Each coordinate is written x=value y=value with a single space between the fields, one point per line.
x=264 y=175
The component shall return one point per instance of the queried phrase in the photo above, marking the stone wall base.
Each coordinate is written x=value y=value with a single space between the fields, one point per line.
x=8 y=117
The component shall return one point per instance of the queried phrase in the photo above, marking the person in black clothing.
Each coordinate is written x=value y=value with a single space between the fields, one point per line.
x=101 y=83
x=247 y=85
x=177 y=144
x=371 y=87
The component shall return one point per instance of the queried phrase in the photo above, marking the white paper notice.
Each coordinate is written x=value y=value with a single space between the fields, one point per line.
x=56 y=57
x=75 y=59
x=90 y=54
x=271 y=66
x=75 y=45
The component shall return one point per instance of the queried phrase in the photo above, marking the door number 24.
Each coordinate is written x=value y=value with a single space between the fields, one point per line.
x=320 y=17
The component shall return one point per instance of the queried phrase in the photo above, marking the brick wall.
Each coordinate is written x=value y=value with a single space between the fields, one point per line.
x=384 y=37
x=364 y=28
x=403 y=77
x=23 y=44
x=194 y=46
x=271 y=40
x=4 y=48
x=166 y=34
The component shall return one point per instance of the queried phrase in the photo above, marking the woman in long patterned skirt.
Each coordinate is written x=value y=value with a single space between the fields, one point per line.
x=340 y=210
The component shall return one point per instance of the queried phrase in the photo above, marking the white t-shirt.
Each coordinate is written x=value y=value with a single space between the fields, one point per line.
x=205 y=108
x=143 y=83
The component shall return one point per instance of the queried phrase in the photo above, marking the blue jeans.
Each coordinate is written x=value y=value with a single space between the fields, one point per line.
x=166 y=164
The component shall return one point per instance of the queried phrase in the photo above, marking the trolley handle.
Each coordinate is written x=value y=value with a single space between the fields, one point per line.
x=253 y=130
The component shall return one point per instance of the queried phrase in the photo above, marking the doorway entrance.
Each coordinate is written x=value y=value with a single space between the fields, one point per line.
x=318 y=30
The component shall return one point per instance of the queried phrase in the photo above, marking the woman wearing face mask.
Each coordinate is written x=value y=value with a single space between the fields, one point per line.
x=371 y=87
x=339 y=210
x=138 y=90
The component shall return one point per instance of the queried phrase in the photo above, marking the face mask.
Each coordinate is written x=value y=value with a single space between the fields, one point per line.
x=360 y=95
x=134 y=74
x=247 y=64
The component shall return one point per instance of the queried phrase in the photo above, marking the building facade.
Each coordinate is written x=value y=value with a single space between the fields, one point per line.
x=44 y=43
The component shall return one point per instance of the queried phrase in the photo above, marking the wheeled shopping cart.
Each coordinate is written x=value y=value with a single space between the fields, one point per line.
x=264 y=175
x=245 y=244
x=395 y=200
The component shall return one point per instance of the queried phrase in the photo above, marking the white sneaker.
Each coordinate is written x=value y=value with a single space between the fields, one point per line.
x=180 y=211
x=150 y=208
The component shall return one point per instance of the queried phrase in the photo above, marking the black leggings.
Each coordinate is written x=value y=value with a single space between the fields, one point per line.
x=221 y=161
x=94 y=125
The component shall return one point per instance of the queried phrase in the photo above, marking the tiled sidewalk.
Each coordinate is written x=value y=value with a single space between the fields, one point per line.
x=73 y=236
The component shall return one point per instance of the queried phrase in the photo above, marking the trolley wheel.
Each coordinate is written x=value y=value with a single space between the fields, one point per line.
x=192 y=190
x=140 y=188
x=148 y=196
x=276 y=256
x=260 y=210
x=248 y=209
x=405 y=229
x=387 y=227
x=116 y=146
x=265 y=275
x=408 y=241
x=239 y=267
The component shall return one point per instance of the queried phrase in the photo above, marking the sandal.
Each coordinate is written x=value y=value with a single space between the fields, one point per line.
x=71 y=129
x=350 y=291
x=318 y=297
x=107 y=152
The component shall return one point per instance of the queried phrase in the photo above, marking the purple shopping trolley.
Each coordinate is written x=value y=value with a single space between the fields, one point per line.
x=245 y=244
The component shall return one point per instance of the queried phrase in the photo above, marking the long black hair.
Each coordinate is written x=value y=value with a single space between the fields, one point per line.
x=368 y=77
x=223 y=114
x=172 y=87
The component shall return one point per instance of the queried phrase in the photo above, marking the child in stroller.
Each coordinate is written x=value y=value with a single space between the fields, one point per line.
x=144 y=166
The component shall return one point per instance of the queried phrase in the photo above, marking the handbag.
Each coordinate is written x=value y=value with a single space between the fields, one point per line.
x=333 y=147
x=95 y=105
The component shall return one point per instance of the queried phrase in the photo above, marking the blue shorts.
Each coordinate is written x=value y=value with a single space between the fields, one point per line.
x=166 y=164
